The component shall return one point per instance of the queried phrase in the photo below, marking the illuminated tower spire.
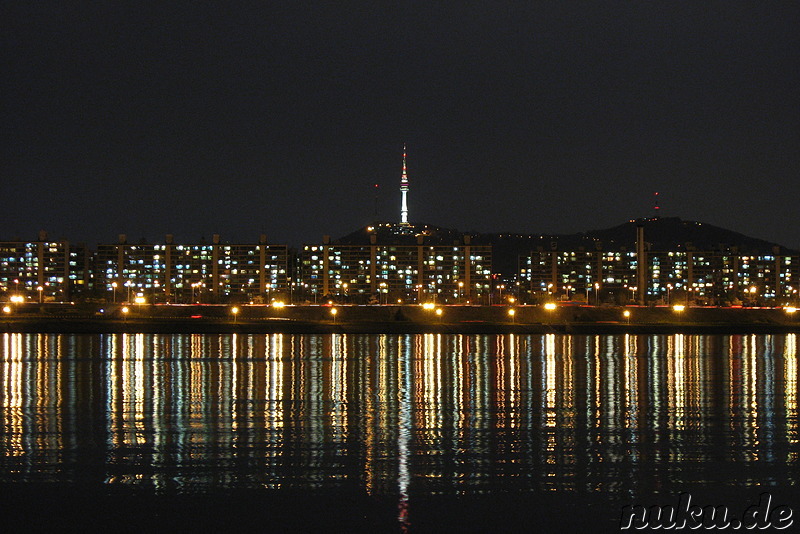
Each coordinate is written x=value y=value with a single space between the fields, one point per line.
x=404 y=191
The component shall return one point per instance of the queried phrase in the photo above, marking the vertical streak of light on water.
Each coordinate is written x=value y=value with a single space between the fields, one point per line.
x=550 y=429
x=404 y=424
x=750 y=359
x=566 y=420
x=631 y=395
x=790 y=393
x=158 y=383
x=655 y=356
x=234 y=387
x=769 y=397
x=455 y=357
x=593 y=400
x=612 y=398
x=13 y=394
x=513 y=385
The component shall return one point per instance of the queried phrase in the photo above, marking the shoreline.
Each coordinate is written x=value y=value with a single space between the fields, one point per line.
x=400 y=319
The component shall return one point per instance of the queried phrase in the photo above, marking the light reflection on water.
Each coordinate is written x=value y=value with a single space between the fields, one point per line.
x=399 y=414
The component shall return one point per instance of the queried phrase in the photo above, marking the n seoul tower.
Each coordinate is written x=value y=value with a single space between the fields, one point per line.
x=404 y=192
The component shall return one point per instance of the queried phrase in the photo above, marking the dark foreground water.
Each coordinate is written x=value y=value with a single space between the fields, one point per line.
x=396 y=433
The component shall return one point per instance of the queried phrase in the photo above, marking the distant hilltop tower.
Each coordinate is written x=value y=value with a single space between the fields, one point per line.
x=404 y=192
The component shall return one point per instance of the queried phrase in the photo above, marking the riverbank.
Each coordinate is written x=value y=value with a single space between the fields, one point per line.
x=207 y=319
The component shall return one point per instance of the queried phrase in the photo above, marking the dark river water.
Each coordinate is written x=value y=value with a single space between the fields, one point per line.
x=399 y=433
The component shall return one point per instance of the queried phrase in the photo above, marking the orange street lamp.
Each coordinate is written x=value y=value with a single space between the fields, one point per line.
x=235 y=312
x=334 y=311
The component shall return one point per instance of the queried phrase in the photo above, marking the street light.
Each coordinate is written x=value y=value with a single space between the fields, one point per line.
x=125 y=311
x=114 y=289
x=381 y=292
x=550 y=307
x=6 y=309
x=627 y=315
x=596 y=294
x=512 y=312
x=439 y=314
x=334 y=311
x=235 y=312
x=40 y=289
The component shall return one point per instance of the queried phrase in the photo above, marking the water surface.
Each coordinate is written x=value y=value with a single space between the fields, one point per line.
x=400 y=418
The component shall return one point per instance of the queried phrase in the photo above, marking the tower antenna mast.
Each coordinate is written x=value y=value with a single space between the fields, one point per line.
x=655 y=205
x=404 y=192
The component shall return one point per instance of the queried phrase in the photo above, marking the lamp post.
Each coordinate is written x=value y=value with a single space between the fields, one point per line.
x=235 y=312
x=114 y=291
x=334 y=311
x=40 y=289
x=596 y=294
x=627 y=315
x=512 y=313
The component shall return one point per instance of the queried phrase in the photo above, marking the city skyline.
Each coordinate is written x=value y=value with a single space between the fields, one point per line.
x=281 y=119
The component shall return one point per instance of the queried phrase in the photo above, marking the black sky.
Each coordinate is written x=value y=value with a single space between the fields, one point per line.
x=279 y=117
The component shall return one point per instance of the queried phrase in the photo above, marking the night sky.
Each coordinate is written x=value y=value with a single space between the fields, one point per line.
x=280 y=117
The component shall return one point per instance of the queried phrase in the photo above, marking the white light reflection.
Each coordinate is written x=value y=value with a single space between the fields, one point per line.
x=790 y=392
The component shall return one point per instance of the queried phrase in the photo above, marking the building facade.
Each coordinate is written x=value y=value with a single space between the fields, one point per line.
x=388 y=273
x=192 y=273
x=42 y=270
x=694 y=276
